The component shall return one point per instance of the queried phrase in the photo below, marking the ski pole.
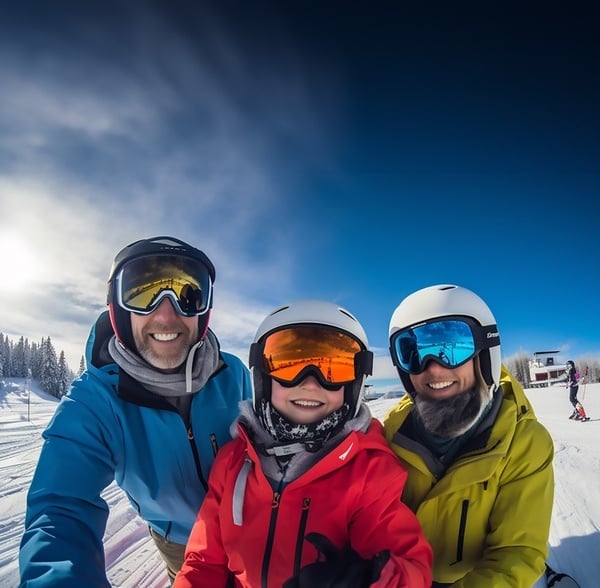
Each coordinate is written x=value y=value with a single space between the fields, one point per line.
x=584 y=382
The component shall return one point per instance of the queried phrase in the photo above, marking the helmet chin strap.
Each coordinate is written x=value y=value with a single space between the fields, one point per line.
x=189 y=365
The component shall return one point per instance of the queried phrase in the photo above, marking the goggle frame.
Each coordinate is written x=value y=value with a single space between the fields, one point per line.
x=205 y=285
x=362 y=359
x=482 y=337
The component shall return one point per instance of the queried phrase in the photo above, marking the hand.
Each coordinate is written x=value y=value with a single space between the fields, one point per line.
x=340 y=568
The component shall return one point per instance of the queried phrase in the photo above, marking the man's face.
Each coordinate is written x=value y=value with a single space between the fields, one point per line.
x=163 y=337
x=438 y=382
x=447 y=400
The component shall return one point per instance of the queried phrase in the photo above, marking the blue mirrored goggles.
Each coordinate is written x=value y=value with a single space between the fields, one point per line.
x=143 y=283
x=450 y=341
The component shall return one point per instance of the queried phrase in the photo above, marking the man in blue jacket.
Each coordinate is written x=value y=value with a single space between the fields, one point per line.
x=151 y=410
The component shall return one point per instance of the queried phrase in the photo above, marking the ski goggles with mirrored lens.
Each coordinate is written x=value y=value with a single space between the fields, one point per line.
x=450 y=341
x=144 y=282
x=290 y=354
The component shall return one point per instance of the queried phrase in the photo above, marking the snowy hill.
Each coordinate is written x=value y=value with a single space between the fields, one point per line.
x=133 y=562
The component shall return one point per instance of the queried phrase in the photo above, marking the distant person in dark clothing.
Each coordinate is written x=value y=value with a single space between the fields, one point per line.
x=573 y=386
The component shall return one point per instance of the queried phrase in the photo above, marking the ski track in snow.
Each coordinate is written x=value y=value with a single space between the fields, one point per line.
x=132 y=560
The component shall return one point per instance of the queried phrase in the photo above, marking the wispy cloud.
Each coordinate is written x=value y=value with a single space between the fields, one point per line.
x=110 y=135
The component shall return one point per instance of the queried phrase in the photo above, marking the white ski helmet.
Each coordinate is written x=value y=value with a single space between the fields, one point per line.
x=448 y=300
x=312 y=312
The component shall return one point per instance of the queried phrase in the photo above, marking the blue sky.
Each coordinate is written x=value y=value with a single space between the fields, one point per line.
x=349 y=152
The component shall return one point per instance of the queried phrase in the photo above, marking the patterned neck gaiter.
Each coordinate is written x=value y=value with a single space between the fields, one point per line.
x=312 y=435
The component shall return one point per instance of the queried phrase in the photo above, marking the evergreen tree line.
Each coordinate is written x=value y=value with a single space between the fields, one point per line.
x=518 y=366
x=39 y=361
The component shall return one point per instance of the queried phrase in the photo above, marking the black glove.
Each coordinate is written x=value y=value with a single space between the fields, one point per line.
x=339 y=569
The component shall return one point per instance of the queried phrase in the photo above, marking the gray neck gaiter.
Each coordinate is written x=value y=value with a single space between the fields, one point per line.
x=202 y=362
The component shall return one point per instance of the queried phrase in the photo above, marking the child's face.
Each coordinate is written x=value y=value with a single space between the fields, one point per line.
x=307 y=402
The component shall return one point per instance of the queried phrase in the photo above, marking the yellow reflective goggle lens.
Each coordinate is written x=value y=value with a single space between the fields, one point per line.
x=288 y=352
x=145 y=281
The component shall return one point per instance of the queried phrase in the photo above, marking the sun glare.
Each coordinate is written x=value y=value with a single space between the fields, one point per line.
x=17 y=262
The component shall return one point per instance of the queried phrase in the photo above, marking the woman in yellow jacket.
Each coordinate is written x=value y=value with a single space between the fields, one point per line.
x=480 y=464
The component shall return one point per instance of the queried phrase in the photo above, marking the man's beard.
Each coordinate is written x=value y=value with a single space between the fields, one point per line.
x=449 y=417
x=162 y=361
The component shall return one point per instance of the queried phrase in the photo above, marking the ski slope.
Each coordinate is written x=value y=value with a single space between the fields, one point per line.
x=132 y=561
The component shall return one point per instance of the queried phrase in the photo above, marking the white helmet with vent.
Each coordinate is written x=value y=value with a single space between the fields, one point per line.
x=435 y=302
x=312 y=312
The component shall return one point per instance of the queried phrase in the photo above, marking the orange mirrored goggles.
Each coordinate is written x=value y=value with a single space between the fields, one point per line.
x=290 y=354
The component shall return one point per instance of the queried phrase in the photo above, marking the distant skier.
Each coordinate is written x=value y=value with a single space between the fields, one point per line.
x=573 y=386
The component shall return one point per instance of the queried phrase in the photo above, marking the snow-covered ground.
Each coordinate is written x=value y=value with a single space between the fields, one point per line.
x=130 y=554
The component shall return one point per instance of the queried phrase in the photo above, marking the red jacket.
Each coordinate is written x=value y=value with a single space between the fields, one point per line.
x=352 y=495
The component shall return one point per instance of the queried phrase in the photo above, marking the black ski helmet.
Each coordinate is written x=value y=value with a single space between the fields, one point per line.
x=119 y=317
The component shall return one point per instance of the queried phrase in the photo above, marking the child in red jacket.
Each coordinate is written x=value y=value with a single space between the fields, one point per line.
x=307 y=495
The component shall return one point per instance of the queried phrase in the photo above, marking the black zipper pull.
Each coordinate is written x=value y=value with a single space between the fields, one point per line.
x=276 y=499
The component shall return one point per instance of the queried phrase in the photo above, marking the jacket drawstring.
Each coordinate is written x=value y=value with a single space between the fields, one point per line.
x=189 y=366
x=239 y=491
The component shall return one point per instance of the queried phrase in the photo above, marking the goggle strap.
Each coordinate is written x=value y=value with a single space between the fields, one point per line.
x=255 y=355
x=490 y=336
x=363 y=361
x=393 y=355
